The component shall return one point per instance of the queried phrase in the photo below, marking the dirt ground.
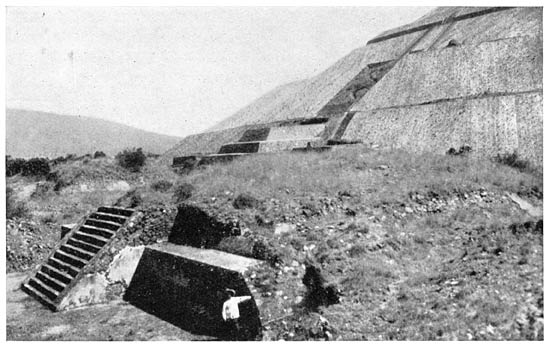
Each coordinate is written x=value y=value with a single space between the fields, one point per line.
x=27 y=320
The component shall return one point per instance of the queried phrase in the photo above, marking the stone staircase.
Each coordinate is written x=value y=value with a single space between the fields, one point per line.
x=78 y=249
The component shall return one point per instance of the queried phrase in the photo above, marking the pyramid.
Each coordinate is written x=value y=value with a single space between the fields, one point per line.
x=456 y=77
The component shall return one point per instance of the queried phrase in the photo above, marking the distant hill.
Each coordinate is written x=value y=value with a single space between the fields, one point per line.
x=33 y=133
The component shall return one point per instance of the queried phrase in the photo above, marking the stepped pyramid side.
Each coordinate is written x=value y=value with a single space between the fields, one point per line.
x=53 y=280
x=443 y=55
x=486 y=92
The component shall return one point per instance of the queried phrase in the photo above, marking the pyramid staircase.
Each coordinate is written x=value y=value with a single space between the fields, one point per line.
x=77 y=251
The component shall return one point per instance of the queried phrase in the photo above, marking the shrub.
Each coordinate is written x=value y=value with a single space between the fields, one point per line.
x=131 y=159
x=49 y=218
x=318 y=291
x=161 y=185
x=99 y=154
x=41 y=190
x=244 y=201
x=512 y=160
x=14 y=166
x=36 y=167
x=265 y=251
x=183 y=191
x=61 y=183
x=14 y=208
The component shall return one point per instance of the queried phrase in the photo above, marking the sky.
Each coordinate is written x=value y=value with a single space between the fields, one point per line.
x=175 y=70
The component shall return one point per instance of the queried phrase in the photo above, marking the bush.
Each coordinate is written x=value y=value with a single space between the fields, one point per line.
x=14 y=208
x=183 y=191
x=49 y=218
x=132 y=159
x=61 y=183
x=36 y=167
x=41 y=190
x=512 y=160
x=265 y=251
x=161 y=185
x=99 y=154
x=14 y=166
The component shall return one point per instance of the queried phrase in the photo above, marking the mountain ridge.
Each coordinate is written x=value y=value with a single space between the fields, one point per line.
x=31 y=133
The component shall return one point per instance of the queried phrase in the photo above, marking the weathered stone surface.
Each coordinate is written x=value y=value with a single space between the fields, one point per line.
x=123 y=265
x=514 y=22
x=120 y=185
x=283 y=228
x=505 y=66
x=489 y=125
x=90 y=289
x=293 y=132
x=283 y=145
x=525 y=205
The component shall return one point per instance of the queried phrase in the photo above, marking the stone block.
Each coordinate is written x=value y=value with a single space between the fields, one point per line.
x=185 y=286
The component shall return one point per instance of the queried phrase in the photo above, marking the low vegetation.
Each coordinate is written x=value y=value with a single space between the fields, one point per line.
x=413 y=246
x=14 y=208
x=131 y=159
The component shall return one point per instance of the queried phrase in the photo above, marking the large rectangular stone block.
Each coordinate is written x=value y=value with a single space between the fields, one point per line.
x=185 y=286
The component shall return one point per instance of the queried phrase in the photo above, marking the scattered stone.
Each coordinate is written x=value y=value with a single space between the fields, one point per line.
x=120 y=185
x=526 y=206
x=283 y=228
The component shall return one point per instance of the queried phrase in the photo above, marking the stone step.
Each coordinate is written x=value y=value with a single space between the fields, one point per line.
x=252 y=135
x=57 y=285
x=80 y=253
x=84 y=245
x=116 y=211
x=215 y=158
x=50 y=284
x=63 y=267
x=106 y=234
x=109 y=217
x=70 y=259
x=109 y=225
x=56 y=273
x=43 y=288
x=39 y=296
x=313 y=149
x=239 y=147
x=90 y=238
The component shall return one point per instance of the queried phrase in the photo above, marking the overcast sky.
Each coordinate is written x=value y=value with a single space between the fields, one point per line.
x=172 y=70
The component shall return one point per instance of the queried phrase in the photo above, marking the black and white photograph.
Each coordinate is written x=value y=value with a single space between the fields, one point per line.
x=264 y=172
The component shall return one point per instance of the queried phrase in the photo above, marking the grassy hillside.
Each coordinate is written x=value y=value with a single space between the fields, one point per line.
x=423 y=247
x=32 y=134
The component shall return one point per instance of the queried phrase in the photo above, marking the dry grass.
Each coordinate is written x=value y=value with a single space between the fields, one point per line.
x=293 y=175
x=402 y=277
